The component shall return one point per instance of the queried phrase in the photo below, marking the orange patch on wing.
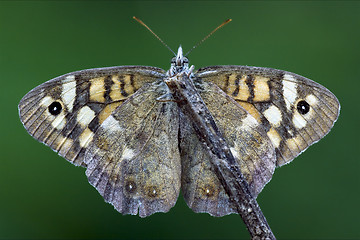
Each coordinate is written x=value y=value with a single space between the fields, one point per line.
x=115 y=93
x=261 y=89
x=274 y=137
x=97 y=89
x=86 y=137
x=243 y=93
x=105 y=113
x=251 y=109
x=121 y=86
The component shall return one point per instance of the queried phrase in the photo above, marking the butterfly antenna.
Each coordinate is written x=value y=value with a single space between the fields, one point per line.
x=213 y=31
x=142 y=23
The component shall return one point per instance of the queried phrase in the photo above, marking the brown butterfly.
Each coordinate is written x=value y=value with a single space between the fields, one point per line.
x=139 y=149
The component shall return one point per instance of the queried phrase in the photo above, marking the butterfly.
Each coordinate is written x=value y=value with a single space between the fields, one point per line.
x=139 y=149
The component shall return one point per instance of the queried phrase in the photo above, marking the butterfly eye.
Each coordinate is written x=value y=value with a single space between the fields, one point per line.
x=55 y=108
x=303 y=107
x=185 y=60
x=173 y=60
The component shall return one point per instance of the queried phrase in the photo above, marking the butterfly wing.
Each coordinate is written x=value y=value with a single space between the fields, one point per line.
x=294 y=111
x=80 y=114
x=258 y=110
x=133 y=160
x=66 y=111
x=247 y=141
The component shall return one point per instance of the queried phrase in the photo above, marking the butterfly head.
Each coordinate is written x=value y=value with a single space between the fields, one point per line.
x=179 y=63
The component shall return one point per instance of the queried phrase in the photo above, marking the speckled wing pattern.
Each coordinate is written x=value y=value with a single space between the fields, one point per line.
x=267 y=116
x=248 y=143
x=294 y=111
x=139 y=149
x=66 y=111
x=108 y=120
x=134 y=160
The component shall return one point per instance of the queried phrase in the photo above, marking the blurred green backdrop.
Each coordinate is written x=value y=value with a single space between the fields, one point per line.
x=44 y=197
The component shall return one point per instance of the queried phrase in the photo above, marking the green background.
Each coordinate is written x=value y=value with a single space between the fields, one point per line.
x=44 y=196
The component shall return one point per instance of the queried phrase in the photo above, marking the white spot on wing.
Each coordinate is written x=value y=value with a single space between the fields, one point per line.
x=273 y=115
x=249 y=122
x=68 y=93
x=59 y=122
x=289 y=90
x=46 y=101
x=111 y=124
x=128 y=154
x=85 y=116
x=299 y=121
x=311 y=99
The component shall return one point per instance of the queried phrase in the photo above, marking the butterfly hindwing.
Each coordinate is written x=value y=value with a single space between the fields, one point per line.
x=65 y=112
x=247 y=141
x=294 y=111
x=133 y=160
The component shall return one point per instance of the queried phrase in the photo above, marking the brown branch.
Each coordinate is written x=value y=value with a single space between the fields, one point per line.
x=226 y=167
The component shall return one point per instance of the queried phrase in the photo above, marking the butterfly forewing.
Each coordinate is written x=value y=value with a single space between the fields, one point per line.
x=294 y=111
x=65 y=112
